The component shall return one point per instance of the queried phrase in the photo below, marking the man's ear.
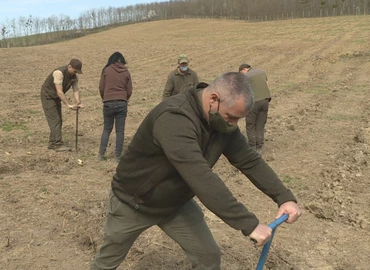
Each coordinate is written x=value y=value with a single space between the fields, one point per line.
x=214 y=98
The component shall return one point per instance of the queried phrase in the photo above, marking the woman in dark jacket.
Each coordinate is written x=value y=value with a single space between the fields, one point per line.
x=115 y=88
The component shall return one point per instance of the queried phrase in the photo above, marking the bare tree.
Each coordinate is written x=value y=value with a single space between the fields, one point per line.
x=4 y=34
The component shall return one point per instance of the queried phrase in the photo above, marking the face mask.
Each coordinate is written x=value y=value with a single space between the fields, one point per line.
x=218 y=123
x=183 y=69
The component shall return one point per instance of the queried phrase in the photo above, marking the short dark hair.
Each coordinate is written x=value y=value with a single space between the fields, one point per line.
x=243 y=66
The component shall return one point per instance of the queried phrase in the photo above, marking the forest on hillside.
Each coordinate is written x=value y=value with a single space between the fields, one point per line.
x=27 y=31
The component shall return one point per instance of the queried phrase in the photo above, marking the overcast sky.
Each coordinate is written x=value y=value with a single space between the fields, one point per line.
x=13 y=9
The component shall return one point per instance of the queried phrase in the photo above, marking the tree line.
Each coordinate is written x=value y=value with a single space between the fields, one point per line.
x=28 y=31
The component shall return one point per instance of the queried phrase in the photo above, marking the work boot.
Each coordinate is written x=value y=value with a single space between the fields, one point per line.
x=52 y=146
x=63 y=148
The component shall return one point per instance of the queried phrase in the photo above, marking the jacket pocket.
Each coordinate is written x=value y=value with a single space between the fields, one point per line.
x=158 y=176
x=113 y=203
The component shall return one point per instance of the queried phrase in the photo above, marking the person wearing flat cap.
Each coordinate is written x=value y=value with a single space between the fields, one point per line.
x=53 y=90
x=181 y=78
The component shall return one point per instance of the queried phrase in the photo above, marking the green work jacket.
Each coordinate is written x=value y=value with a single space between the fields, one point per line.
x=170 y=160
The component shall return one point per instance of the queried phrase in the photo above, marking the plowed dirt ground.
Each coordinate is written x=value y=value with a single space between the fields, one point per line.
x=52 y=210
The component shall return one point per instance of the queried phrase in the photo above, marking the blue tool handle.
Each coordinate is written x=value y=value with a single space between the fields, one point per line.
x=265 y=250
x=278 y=221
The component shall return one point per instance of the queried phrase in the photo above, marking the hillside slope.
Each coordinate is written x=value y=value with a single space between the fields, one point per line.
x=317 y=140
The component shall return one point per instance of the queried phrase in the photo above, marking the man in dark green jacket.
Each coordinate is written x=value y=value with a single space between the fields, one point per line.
x=256 y=119
x=53 y=90
x=170 y=160
x=181 y=78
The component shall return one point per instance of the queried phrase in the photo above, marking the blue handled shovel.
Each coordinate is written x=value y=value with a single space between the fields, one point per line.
x=265 y=250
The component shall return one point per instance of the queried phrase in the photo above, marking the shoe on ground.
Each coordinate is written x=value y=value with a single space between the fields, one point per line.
x=63 y=148
x=101 y=158
x=117 y=159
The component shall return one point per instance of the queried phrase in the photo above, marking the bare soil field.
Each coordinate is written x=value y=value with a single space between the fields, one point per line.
x=52 y=210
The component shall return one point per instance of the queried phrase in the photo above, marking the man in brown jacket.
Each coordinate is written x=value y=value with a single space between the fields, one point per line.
x=53 y=94
x=170 y=160
x=181 y=78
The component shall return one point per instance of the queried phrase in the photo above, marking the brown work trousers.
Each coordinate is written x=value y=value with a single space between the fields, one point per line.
x=255 y=123
x=53 y=113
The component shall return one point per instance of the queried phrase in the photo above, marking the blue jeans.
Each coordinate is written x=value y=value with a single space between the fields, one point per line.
x=115 y=113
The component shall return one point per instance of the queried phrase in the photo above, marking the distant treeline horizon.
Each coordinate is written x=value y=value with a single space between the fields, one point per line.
x=30 y=31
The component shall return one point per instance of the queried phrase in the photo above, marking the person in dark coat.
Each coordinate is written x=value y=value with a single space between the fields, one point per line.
x=181 y=78
x=53 y=90
x=169 y=161
x=257 y=118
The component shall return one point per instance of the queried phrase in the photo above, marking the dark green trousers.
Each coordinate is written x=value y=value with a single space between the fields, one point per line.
x=53 y=113
x=187 y=227
x=255 y=123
